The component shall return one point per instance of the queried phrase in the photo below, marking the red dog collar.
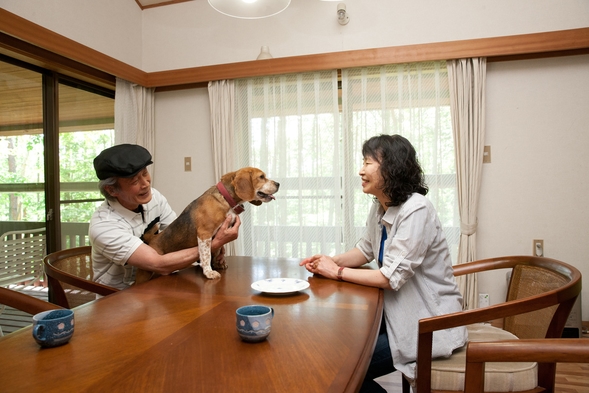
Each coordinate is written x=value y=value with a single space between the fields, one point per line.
x=238 y=209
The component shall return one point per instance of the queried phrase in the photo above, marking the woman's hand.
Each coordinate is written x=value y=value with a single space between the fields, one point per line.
x=321 y=264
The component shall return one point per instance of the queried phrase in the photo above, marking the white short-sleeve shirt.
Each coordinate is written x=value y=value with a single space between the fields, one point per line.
x=115 y=233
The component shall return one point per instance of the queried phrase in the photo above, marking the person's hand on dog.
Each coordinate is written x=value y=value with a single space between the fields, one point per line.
x=321 y=264
x=226 y=233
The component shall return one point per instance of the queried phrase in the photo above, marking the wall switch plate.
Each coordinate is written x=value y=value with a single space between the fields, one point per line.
x=187 y=164
x=483 y=300
x=487 y=155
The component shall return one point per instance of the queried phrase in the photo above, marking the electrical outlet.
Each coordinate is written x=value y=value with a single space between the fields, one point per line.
x=538 y=248
x=484 y=300
x=187 y=164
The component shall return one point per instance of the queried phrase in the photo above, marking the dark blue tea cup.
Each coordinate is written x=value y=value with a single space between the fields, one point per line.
x=53 y=328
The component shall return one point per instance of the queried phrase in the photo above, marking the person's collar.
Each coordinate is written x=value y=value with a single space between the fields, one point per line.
x=123 y=211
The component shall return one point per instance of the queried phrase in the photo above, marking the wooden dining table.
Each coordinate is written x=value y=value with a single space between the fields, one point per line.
x=177 y=333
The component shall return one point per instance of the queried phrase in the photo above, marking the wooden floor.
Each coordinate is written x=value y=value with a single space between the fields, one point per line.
x=570 y=377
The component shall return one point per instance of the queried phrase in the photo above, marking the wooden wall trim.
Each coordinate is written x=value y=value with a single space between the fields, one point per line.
x=563 y=42
x=39 y=57
x=526 y=44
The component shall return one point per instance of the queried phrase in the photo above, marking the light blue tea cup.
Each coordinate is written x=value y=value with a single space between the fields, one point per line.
x=53 y=328
x=254 y=322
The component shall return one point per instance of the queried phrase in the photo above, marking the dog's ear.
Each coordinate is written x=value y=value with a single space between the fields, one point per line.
x=243 y=184
x=256 y=202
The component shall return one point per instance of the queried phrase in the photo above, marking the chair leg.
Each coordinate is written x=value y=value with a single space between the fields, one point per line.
x=406 y=385
x=56 y=294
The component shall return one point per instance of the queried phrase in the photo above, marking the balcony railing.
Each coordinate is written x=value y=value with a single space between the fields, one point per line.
x=73 y=234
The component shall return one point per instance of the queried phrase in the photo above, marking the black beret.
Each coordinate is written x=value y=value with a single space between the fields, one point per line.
x=124 y=160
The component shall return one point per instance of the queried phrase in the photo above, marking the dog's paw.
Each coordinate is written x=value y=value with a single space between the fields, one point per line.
x=213 y=275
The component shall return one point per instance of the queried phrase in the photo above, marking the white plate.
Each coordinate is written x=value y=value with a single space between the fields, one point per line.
x=280 y=286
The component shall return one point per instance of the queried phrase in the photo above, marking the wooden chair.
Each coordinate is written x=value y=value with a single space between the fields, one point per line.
x=69 y=273
x=20 y=301
x=541 y=294
x=547 y=351
x=21 y=256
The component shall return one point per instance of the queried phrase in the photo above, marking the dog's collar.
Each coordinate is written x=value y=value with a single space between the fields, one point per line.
x=238 y=209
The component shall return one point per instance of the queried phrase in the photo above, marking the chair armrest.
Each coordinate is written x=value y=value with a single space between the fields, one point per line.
x=565 y=350
x=23 y=302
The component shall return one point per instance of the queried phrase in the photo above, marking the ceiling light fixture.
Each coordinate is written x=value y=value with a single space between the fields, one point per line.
x=249 y=9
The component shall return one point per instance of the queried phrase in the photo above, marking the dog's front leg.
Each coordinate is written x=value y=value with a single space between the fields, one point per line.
x=204 y=249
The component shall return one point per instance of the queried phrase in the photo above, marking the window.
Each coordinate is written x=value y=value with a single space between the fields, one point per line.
x=306 y=131
x=47 y=180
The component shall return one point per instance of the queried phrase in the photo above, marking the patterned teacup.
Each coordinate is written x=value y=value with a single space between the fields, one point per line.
x=254 y=322
x=53 y=328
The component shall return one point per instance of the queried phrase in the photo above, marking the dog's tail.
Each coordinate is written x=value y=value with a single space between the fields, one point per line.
x=151 y=231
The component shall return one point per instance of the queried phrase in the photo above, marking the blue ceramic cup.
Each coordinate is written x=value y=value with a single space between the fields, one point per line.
x=53 y=328
x=254 y=322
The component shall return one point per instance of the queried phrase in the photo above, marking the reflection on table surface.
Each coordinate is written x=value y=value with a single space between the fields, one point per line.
x=177 y=333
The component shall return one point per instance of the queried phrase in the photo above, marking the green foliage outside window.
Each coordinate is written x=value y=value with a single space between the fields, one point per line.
x=22 y=170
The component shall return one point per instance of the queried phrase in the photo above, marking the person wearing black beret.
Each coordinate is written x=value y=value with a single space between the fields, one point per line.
x=131 y=206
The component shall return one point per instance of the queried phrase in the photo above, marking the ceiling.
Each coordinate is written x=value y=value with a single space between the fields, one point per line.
x=157 y=3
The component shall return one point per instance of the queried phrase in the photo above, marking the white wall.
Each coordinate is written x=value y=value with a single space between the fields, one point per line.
x=182 y=130
x=537 y=184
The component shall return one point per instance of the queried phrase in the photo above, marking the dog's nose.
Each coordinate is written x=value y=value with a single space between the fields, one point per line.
x=277 y=184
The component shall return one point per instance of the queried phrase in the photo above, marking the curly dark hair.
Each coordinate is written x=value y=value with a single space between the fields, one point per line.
x=399 y=167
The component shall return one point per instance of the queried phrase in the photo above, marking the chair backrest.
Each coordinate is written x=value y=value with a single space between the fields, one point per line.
x=21 y=256
x=526 y=281
x=69 y=273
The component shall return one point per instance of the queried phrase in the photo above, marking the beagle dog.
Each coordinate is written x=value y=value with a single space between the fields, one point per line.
x=202 y=218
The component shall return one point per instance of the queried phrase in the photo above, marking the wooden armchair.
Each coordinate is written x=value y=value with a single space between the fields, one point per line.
x=69 y=273
x=540 y=296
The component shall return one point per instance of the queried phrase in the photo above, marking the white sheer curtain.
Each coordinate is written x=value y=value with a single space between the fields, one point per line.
x=410 y=100
x=288 y=126
x=135 y=116
x=467 y=92
x=299 y=130
x=222 y=101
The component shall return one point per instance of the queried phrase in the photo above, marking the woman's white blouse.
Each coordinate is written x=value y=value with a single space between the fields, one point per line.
x=417 y=262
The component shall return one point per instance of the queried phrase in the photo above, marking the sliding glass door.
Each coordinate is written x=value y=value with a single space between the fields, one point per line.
x=22 y=176
x=86 y=127
x=51 y=128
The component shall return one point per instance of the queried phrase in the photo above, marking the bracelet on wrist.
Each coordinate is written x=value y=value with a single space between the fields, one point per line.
x=339 y=273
